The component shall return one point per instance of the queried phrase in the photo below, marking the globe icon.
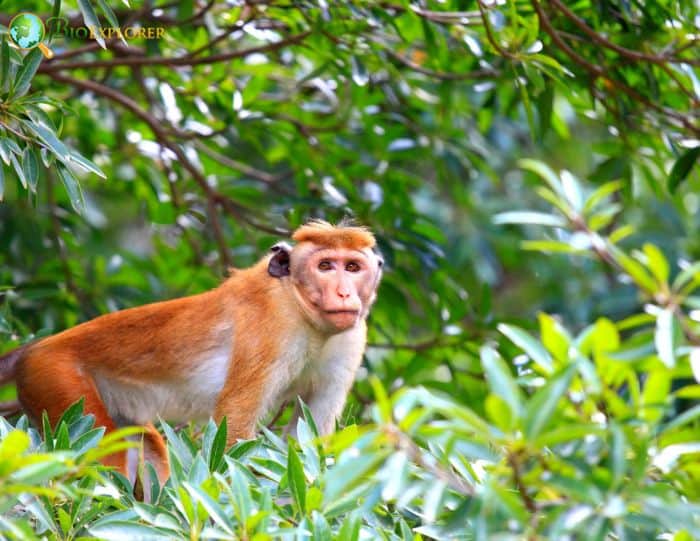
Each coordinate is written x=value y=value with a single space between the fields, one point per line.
x=27 y=30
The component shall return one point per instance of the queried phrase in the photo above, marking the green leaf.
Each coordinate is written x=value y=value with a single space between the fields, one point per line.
x=62 y=437
x=49 y=138
x=657 y=263
x=634 y=269
x=618 y=449
x=5 y=151
x=55 y=13
x=541 y=407
x=350 y=529
x=572 y=190
x=544 y=172
x=297 y=480
x=242 y=500
x=30 y=166
x=185 y=9
x=528 y=217
x=73 y=413
x=433 y=500
x=534 y=349
x=348 y=474
x=684 y=418
x=499 y=412
x=46 y=430
x=600 y=194
x=40 y=472
x=218 y=447
x=91 y=20
x=529 y=113
x=321 y=528
x=17 y=166
x=122 y=530
x=88 y=440
x=2 y=182
x=667 y=337
x=692 y=272
x=565 y=433
x=501 y=381
x=308 y=417
x=554 y=337
x=4 y=66
x=109 y=14
x=545 y=103
x=86 y=164
x=682 y=168
x=75 y=192
x=551 y=246
x=621 y=233
x=382 y=399
x=655 y=394
x=177 y=447
x=25 y=75
x=359 y=71
x=14 y=444
x=213 y=509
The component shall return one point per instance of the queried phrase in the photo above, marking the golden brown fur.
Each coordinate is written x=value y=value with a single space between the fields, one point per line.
x=322 y=233
x=262 y=336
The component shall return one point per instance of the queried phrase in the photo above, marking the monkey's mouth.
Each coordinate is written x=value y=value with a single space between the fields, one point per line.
x=342 y=319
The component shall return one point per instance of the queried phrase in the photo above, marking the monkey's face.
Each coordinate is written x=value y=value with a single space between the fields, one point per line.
x=336 y=286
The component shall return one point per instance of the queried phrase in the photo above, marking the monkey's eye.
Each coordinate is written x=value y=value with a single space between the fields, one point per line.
x=353 y=266
x=325 y=265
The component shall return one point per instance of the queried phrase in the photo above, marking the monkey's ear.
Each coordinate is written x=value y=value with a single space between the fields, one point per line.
x=279 y=262
x=380 y=258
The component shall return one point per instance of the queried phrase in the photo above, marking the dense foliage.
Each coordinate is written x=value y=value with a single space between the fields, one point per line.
x=530 y=170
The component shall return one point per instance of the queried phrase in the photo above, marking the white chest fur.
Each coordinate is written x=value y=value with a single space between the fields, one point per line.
x=191 y=399
x=311 y=363
x=298 y=354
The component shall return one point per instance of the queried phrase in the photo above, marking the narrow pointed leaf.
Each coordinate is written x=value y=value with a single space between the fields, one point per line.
x=542 y=406
x=75 y=192
x=297 y=481
x=91 y=20
x=27 y=72
x=534 y=349
x=682 y=168
x=501 y=381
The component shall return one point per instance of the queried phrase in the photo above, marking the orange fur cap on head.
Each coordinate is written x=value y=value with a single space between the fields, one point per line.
x=340 y=236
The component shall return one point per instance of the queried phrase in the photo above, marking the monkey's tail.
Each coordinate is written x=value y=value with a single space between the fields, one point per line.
x=8 y=364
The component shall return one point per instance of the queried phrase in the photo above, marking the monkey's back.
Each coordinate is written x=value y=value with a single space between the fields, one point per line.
x=151 y=342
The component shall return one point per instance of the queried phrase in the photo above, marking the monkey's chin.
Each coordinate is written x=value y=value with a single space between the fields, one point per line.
x=341 y=320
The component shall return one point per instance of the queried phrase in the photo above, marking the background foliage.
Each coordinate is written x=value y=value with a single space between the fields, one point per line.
x=530 y=170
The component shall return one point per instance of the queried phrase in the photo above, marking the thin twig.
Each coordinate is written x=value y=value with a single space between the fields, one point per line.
x=162 y=137
x=629 y=53
x=177 y=61
x=443 y=75
x=241 y=167
x=518 y=480
x=598 y=71
x=489 y=34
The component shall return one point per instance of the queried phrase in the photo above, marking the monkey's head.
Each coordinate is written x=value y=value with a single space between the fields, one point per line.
x=334 y=272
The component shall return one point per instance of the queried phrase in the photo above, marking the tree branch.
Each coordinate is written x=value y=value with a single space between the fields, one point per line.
x=623 y=51
x=51 y=67
x=162 y=137
x=598 y=71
